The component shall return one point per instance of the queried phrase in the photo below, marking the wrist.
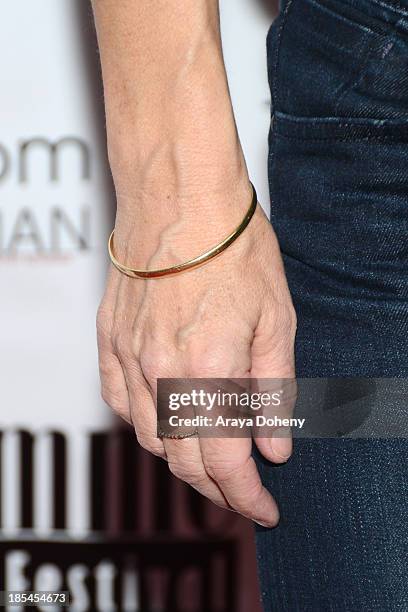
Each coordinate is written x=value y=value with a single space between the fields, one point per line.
x=176 y=161
x=154 y=233
x=178 y=167
x=176 y=175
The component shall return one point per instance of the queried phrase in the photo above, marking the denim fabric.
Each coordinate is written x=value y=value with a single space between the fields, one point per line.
x=338 y=169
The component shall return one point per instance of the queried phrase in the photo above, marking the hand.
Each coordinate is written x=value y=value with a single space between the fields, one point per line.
x=232 y=317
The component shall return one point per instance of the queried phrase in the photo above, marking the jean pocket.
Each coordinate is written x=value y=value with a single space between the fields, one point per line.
x=325 y=59
x=346 y=129
x=339 y=201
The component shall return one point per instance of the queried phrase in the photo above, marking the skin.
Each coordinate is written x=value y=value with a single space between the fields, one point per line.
x=182 y=186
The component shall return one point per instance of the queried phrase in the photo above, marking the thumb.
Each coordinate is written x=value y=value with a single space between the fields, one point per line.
x=273 y=372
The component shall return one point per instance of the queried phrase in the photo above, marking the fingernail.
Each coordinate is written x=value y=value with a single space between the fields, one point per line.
x=282 y=447
x=266 y=525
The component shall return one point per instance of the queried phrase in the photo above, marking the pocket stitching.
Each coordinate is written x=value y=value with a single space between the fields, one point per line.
x=274 y=89
x=340 y=123
x=350 y=138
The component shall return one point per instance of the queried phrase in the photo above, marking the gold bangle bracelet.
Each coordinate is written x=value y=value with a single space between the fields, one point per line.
x=191 y=263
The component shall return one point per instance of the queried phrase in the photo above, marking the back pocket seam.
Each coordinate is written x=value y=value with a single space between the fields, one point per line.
x=340 y=129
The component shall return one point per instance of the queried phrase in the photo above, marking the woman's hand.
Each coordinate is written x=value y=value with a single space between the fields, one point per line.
x=182 y=187
x=230 y=318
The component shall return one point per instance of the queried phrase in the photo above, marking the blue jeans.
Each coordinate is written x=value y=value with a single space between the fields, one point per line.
x=338 y=169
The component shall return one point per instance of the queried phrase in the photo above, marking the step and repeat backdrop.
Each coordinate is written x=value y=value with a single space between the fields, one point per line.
x=82 y=508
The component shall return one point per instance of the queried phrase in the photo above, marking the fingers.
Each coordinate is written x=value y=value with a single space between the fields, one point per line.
x=219 y=468
x=185 y=462
x=229 y=464
x=273 y=365
x=278 y=448
x=224 y=473
x=132 y=358
x=142 y=409
x=113 y=385
x=275 y=442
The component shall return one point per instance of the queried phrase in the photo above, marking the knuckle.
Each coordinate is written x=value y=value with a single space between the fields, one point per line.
x=292 y=319
x=105 y=395
x=208 y=365
x=103 y=322
x=109 y=398
x=115 y=402
x=248 y=502
x=284 y=314
x=219 y=470
x=106 y=370
x=150 y=444
x=177 y=470
x=287 y=320
x=155 y=364
x=185 y=472
x=122 y=344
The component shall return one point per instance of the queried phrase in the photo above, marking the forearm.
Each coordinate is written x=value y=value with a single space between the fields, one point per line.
x=171 y=131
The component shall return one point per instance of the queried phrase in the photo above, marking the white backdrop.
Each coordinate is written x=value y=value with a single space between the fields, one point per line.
x=50 y=291
x=56 y=209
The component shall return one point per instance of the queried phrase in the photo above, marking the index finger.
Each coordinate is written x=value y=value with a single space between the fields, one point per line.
x=230 y=464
